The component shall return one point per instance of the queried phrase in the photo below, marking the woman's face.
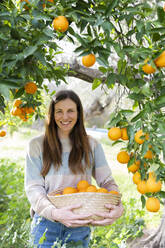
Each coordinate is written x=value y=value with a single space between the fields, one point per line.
x=65 y=115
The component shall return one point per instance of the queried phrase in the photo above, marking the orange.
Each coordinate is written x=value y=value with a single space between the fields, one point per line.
x=142 y=187
x=164 y=7
x=160 y=61
x=114 y=133
x=136 y=177
x=25 y=6
x=24 y=117
x=153 y=186
x=148 y=69
x=102 y=190
x=89 y=60
x=91 y=188
x=138 y=135
x=57 y=194
x=124 y=135
x=60 y=23
x=153 y=204
x=30 y=88
x=82 y=185
x=2 y=133
x=123 y=157
x=16 y=111
x=152 y=174
x=29 y=110
x=44 y=5
x=113 y=192
x=134 y=167
x=148 y=155
x=17 y=102
x=69 y=190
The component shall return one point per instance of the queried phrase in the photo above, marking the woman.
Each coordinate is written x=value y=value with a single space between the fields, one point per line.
x=62 y=157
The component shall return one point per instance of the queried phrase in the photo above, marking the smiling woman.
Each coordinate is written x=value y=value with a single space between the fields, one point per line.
x=61 y=158
x=65 y=117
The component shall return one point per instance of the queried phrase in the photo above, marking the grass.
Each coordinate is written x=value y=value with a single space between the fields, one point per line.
x=15 y=148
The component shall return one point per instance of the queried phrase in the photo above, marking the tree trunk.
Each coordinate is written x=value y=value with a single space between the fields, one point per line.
x=156 y=240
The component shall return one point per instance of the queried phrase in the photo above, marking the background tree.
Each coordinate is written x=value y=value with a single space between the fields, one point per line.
x=131 y=31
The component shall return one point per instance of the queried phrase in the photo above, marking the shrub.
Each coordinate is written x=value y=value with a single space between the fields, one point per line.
x=14 y=207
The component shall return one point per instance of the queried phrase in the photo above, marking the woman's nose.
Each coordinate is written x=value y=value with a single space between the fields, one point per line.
x=65 y=115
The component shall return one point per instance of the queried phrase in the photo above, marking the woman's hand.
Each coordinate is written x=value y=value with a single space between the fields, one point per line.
x=68 y=218
x=114 y=213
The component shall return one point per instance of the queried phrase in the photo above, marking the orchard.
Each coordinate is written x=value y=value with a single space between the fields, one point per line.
x=132 y=32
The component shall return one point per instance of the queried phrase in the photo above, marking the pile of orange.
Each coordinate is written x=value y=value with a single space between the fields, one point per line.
x=22 y=112
x=84 y=186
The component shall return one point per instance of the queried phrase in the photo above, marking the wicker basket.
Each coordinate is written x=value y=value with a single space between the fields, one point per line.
x=91 y=202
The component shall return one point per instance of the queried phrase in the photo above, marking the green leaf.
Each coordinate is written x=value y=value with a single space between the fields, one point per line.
x=11 y=83
x=111 y=79
x=96 y=83
x=39 y=16
x=102 y=69
x=155 y=30
x=29 y=51
x=163 y=147
x=121 y=65
x=143 y=200
x=111 y=6
x=81 y=40
x=162 y=194
x=114 y=120
x=126 y=112
x=5 y=90
x=19 y=93
x=138 y=116
x=102 y=61
x=160 y=100
x=144 y=148
x=161 y=15
x=107 y=26
x=161 y=126
x=48 y=32
x=131 y=133
x=146 y=90
x=136 y=97
x=71 y=31
x=79 y=49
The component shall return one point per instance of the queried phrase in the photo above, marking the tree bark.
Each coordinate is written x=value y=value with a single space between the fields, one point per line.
x=155 y=240
x=84 y=73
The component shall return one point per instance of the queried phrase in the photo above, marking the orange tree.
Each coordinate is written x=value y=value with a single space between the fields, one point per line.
x=131 y=31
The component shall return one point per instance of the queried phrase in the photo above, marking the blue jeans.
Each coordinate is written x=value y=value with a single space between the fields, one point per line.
x=47 y=234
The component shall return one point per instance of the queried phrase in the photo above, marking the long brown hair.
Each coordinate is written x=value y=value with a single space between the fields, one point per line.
x=52 y=148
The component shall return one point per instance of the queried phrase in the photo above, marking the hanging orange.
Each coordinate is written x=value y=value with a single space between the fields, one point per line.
x=60 y=23
x=89 y=60
x=123 y=157
x=114 y=133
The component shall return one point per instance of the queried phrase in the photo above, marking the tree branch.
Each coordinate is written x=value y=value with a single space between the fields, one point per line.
x=83 y=73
